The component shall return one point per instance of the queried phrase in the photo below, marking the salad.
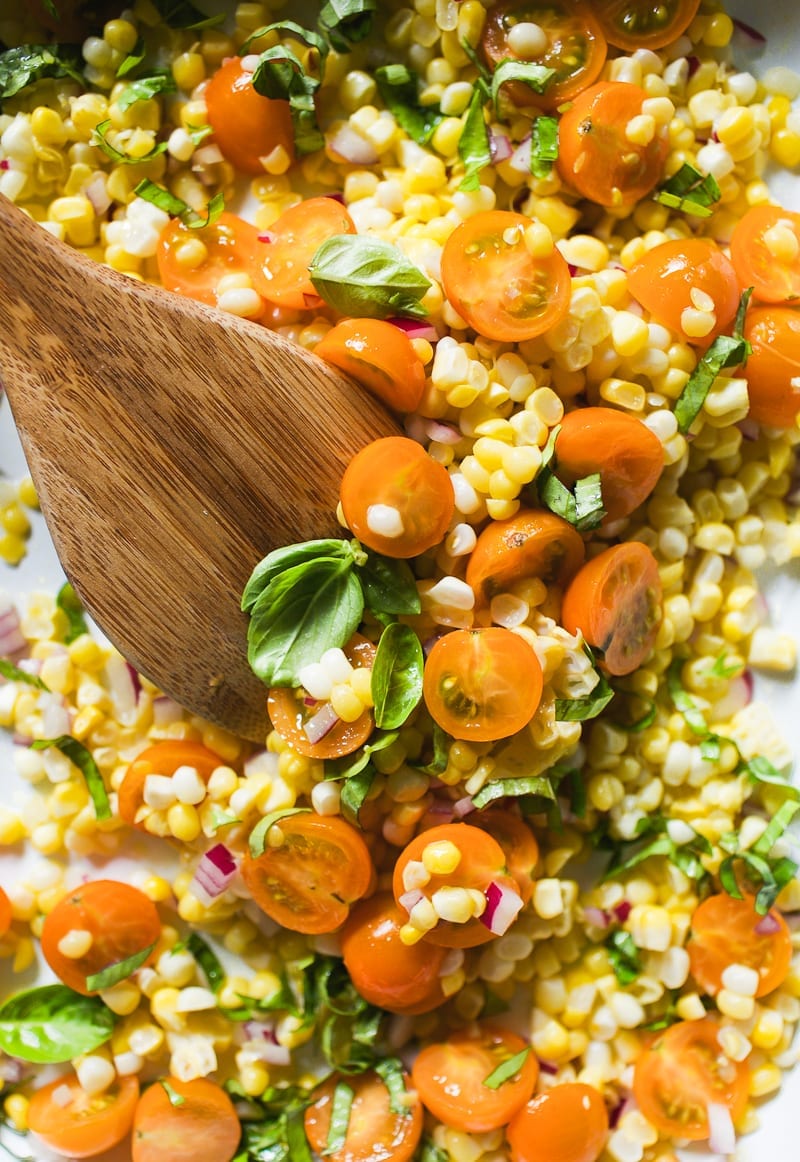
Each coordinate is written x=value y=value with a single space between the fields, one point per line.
x=512 y=877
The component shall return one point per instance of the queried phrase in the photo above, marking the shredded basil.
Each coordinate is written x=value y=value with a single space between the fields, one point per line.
x=507 y=1069
x=14 y=674
x=258 y=836
x=145 y=88
x=132 y=61
x=690 y=191
x=624 y=957
x=724 y=669
x=399 y=90
x=177 y=208
x=776 y=827
x=52 y=1024
x=281 y=75
x=544 y=146
x=430 y=1152
x=725 y=351
x=100 y=140
x=347 y=22
x=761 y=770
x=391 y=1073
x=341 y=1105
x=355 y=793
x=184 y=14
x=70 y=605
x=685 y=856
x=208 y=961
x=537 y=785
x=83 y=759
x=28 y=63
x=396 y=675
x=121 y=970
x=537 y=77
x=367 y=277
x=581 y=507
x=473 y=144
x=349 y=765
x=582 y=709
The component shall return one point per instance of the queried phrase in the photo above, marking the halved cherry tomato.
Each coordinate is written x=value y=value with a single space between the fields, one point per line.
x=517 y=841
x=483 y=862
x=594 y=155
x=533 y=543
x=162 y=758
x=247 y=127
x=232 y=247
x=294 y=240
x=683 y=1070
x=120 y=919
x=628 y=456
x=633 y=24
x=202 y=1124
x=773 y=366
x=566 y=1123
x=402 y=978
x=6 y=913
x=82 y=1125
x=575 y=47
x=375 y=1132
x=494 y=282
x=308 y=883
x=290 y=709
x=681 y=275
x=726 y=931
x=397 y=499
x=615 y=601
x=380 y=356
x=450 y=1077
x=482 y=684
x=765 y=252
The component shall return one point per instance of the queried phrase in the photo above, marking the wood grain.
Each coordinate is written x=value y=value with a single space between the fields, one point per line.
x=172 y=446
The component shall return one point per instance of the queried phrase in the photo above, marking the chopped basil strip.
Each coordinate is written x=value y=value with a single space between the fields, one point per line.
x=145 y=88
x=49 y=6
x=776 y=827
x=684 y=702
x=132 y=61
x=399 y=89
x=690 y=191
x=100 y=140
x=473 y=144
x=741 y=313
x=341 y=1105
x=177 y=208
x=514 y=789
x=346 y=22
x=536 y=76
x=391 y=1073
x=121 y=970
x=77 y=753
x=366 y=277
x=349 y=765
x=70 y=605
x=507 y=1069
x=28 y=63
x=183 y=14
x=222 y=818
x=722 y=668
x=396 y=675
x=582 y=709
x=544 y=146
x=624 y=957
x=14 y=674
x=52 y=1024
x=582 y=507
x=761 y=770
x=430 y=1152
x=175 y=1098
x=769 y=876
x=355 y=792
x=685 y=856
x=723 y=352
x=281 y=76
x=258 y=836
x=208 y=961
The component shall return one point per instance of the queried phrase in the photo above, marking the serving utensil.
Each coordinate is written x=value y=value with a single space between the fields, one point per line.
x=172 y=446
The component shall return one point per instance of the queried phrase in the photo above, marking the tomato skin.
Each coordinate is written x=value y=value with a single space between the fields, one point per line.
x=652 y=24
x=6 y=913
x=724 y=931
x=576 y=47
x=594 y=156
x=676 y=1077
x=162 y=758
x=449 y=1078
x=204 y=1121
x=399 y=977
x=86 y=1126
x=397 y=472
x=615 y=601
x=122 y=922
x=628 y=456
x=294 y=240
x=233 y=247
x=517 y=841
x=532 y=543
x=774 y=335
x=663 y=281
x=496 y=285
x=482 y=684
x=374 y=1132
x=247 y=127
x=567 y=1123
x=773 y=279
x=380 y=357
x=309 y=882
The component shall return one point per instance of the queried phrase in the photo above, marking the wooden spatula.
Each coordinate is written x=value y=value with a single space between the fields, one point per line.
x=172 y=446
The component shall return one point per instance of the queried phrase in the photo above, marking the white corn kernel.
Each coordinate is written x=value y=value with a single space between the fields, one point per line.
x=740 y=978
x=95 y=1074
x=385 y=521
x=75 y=943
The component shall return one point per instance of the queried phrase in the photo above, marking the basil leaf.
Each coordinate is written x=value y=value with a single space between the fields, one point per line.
x=583 y=509
x=430 y=1152
x=279 y=560
x=473 y=144
x=355 y=791
x=684 y=702
x=28 y=63
x=350 y=765
x=14 y=674
x=341 y=1105
x=514 y=789
x=507 y=1069
x=303 y=612
x=346 y=22
x=624 y=957
x=396 y=675
x=121 y=970
x=389 y=586
x=776 y=827
x=391 y=1073
x=100 y=140
x=741 y=314
x=132 y=61
x=208 y=961
x=537 y=77
x=281 y=75
x=69 y=603
x=176 y=207
x=52 y=1024
x=761 y=770
x=727 y=878
x=690 y=191
x=723 y=352
x=83 y=759
x=582 y=709
x=399 y=89
x=661 y=846
x=258 y=836
x=544 y=146
x=146 y=88
x=182 y=14
x=367 y=277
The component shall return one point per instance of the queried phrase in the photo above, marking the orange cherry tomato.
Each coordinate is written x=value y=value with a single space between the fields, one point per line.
x=396 y=499
x=633 y=24
x=232 y=247
x=483 y=862
x=308 y=883
x=726 y=931
x=375 y=1133
x=576 y=47
x=615 y=600
x=450 y=1078
x=628 y=456
x=83 y=1125
x=294 y=240
x=682 y=1071
x=380 y=357
x=290 y=709
x=162 y=758
x=517 y=841
x=594 y=155
x=204 y=1124
x=402 y=978
x=121 y=920
x=482 y=684
x=773 y=367
x=494 y=282
x=567 y=1123
x=680 y=274
x=247 y=127
x=533 y=543
x=6 y=913
x=765 y=252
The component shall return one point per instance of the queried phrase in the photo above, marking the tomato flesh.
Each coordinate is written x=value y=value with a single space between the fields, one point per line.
x=652 y=24
x=532 y=543
x=773 y=366
x=517 y=841
x=199 y=1120
x=380 y=357
x=765 y=252
x=726 y=931
x=232 y=247
x=293 y=240
x=375 y=1132
x=83 y=1126
x=163 y=758
x=667 y=280
x=566 y=1123
x=247 y=127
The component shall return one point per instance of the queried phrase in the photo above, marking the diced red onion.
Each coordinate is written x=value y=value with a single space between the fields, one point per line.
x=463 y=807
x=264 y=1045
x=694 y=64
x=548 y=1068
x=5 y=163
x=749 y=32
x=337 y=196
x=442 y=433
x=748 y=428
x=622 y=910
x=573 y=269
x=12 y=640
x=214 y=873
x=722 y=1135
x=623 y=1106
x=596 y=917
x=442 y=809
x=502 y=908
x=415 y=328
x=500 y=147
x=165 y=710
x=12 y=1069
x=410 y=899
x=348 y=145
x=267 y=236
x=520 y=159
x=768 y=925
x=321 y=723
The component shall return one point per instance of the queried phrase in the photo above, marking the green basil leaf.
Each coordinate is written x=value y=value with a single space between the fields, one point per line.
x=146 y=88
x=131 y=62
x=728 y=880
x=514 y=789
x=741 y=314
x=258 y=836
x=355 y=791
x=776 y=827
x=279 y=560
x=281 y=75
x=347 y=22
x=396 y=675
x=761 y=770
x=723 y=352
x=724 y=669
x=52 y=1024
x=49 y=6
x=102 y=143
x=364 y=276
x=430 y=1152
x=349 y=765
x=473 y=144
x=176 y=207
x=69 y=603
x=399 y=89
x=690 y=191
x=341 y=1106
x=389 y=585
x=624 y=957
x=642 y=723
x=14 y=674
x=118 y=971
x=390 y=1070
x=683 y=701
x=507 y=1069
x=661 y=846
x=544 y=146
x=589 y=511
x=28 y=63
x=208 y=961
x=83 y=759
x=582 y=709
x=183 y=14
x=537 y=77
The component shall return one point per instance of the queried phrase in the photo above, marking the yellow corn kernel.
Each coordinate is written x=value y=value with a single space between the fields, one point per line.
x=254 y=1078
x=47 y=126
x=24 y=955
x=441 y=858
x=12 y=548
x=764 y=1080
x=345 y=702
x=15 y=1107
x=784 y=147
x=123 y=998
x=188 y=70
x=163 y=1006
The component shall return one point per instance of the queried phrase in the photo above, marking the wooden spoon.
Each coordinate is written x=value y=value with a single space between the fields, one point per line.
x=172 y=446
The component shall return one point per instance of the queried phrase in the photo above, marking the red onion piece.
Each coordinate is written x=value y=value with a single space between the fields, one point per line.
x=694 y=64
x=267 y=236
x=548 y=1068
x=596 y=917
x=749 y=428
x=500 y=147
x=415 y=328
x=722 y=1135
x=749 y=32
x=5 y=163
x=768 y=925
x=337 y=197
x=95 y=190
x=346 y=144
x=214 y=873
x=502 y=908
x=321 y=723
x=622 y=910
x=520 y=159
x=122 y=687
x=12 y=641
x=463 y=807
x=264 y=1045
x=55 y=715
x=442 y=433
x=409 y=899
